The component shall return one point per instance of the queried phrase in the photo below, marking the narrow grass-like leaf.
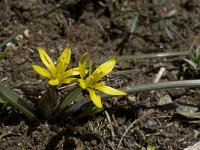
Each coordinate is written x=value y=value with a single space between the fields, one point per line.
x=2 y=101
x=133 y=22
x=8 y=40
x=188 y=111
x=13 y=99
x=146 y=56
x=140 y=88
x=168 y=32
x=1 y=55
x=118 y=14
x=90 y=109
x=159 y=2
x=67 y=100
x=153 y=20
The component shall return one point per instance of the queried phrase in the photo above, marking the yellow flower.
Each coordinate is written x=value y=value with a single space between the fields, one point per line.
x=92 y=82
x=56 y=74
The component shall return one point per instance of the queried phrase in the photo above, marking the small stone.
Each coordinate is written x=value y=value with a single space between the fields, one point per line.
x=11 y=46
x=166 y=99
x=27 y=33
x=196 y=133
x=19 y=37
x=132 y=98
x=19 y=144
x=40 y=32
x=151 y=123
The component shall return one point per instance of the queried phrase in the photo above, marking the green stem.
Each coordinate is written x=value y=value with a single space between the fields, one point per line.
x=48 y=102
x=139 y=88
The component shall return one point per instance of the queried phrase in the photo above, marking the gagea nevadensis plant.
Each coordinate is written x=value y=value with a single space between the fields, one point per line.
x=50 y=104
x=84 y=78
x=57 y=75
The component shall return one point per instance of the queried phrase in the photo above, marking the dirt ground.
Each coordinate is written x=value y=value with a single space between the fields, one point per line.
x=88 y=25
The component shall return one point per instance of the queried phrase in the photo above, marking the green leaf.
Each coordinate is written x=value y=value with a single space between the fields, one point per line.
x=133 y=22
x=193 y=59
x=159 y=2
x=13 y=99
x=138 y=88
x=67 y=100
x=1 y=55
x=198 y=55
x=169 y=27
x=188 y=111
x=168 y=32
x=2 y=101
x=118 y=14
x=48 y=102
x=153 y=20
x=88 y=110
x=8 y=39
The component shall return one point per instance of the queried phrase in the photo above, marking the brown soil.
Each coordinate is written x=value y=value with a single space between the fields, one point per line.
x=86 y=25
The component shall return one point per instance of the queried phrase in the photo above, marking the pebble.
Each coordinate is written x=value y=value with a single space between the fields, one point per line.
x=27 y=33
x=11 y=46
x=166 y=99
x=151 y=122
x=19 y=37
x=132 y=98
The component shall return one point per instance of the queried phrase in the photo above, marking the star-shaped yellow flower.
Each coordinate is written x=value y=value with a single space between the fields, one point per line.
x=92 y=82
x=56 y=74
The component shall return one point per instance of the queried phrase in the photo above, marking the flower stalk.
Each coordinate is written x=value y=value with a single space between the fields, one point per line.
x=48 y=102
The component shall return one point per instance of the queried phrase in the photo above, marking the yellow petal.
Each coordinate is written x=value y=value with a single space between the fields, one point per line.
x=95 y=98
x=82 y=65
x=82 y=83
x=104 y=69
x=108 y=90
x=71 y=72
x=70 y=80
x=54 y=82
x=46 y=60
x=63 y=60
x=89 y=81
x=41 y=71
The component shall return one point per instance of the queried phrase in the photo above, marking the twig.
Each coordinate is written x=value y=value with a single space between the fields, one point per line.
x=3 y=79
x=159 y=74
x=110 y=123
